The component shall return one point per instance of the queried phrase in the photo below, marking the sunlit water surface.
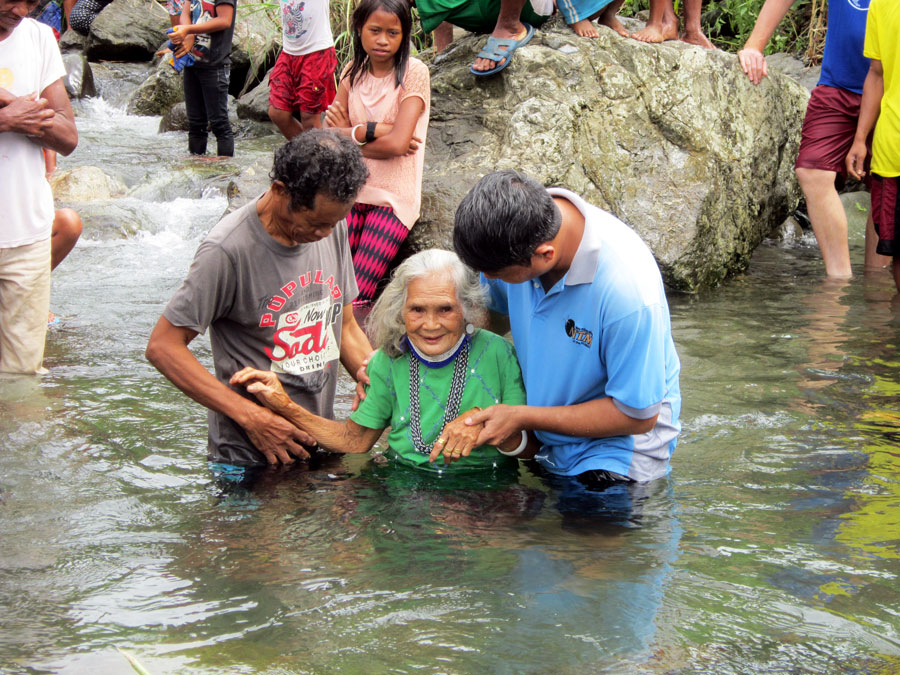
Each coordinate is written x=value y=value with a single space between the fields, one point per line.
x=773 y=547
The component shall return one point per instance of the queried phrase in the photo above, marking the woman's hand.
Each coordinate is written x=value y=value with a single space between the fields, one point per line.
x=336 y=116
x=264 y=384
x=457 y=440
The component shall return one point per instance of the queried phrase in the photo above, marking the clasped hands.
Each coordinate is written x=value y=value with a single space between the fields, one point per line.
x=29 y=115
x=274 y=436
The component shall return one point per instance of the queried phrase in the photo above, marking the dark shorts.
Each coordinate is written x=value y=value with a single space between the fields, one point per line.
x=828 y=130
x=303 y=83
x=886 y=213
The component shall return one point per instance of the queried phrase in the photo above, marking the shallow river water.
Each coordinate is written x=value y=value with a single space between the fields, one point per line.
x=772 y=548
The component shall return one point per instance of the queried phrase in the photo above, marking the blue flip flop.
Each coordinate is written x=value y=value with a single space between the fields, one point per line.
x=492 y=50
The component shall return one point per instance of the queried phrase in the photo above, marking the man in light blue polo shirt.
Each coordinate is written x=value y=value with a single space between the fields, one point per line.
x=590 y=323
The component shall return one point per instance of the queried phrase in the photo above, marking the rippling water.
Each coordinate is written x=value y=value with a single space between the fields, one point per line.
x=772 y=548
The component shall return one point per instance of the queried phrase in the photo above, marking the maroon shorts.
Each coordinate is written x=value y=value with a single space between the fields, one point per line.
x=303 y=83
x=886 y=213
x=828 y=130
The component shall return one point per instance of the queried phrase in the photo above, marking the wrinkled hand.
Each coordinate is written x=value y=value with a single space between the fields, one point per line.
x=336 y=116
x=753 y=64
x=276 y=438
x=29 y=115
x=500 y=422
x=856 y=159
x=185 y=46
x=362 y=381
x=457 y=440
x=265 y=385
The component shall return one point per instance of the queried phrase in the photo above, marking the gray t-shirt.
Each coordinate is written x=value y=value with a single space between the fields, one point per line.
x=269 y=306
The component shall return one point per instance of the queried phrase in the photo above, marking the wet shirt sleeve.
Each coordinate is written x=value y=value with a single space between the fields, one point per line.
x=208 y=291
x=634 y=349
x=376 y=410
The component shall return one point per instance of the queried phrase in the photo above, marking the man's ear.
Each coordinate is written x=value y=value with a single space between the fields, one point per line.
x=279 y=188
x=545 y=251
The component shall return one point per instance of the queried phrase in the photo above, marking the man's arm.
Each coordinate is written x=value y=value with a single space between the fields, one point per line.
x=276 y=438
x=47 y=120
x=751 y=56
x=869 y=109
x=355 y=346
x=599 y=418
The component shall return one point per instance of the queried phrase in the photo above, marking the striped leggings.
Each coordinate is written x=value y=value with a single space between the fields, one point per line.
x=375 y=235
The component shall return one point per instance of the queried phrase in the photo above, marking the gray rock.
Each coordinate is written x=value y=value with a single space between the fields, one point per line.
x=128 y=30
x=79 y=80
x=796 y=68
x=159 y=92
x=257 y=41
x=254 y=105
x=175 y=119
x=250 y=183
x=72 y=40
x=85 y=184
x=788 y=232
x=671 y=138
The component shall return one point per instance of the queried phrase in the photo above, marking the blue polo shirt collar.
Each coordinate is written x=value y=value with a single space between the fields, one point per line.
x=587 y=257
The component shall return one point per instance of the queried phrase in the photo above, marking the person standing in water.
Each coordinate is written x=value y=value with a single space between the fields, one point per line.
x=273 y=282
x=34 y=114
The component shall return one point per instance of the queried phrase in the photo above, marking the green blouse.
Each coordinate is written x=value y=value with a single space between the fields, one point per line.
x=493 y=376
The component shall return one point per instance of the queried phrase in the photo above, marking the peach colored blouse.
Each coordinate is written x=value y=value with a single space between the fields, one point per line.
x=394 y=182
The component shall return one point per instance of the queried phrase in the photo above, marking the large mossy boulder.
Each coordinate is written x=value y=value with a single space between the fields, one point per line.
x=673 y=139
x=257 y=41
x=162 y=89
x=254 y=105
x=128 y=30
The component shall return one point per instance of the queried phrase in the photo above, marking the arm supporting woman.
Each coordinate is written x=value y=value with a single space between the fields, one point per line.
x=346 y=437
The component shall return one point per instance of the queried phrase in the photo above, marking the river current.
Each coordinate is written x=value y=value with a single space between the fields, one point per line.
x=773 y=546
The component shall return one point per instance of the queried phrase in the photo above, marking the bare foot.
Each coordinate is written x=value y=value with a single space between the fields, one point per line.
x=585 y=28
x=697 y=38
x=609 y=20
x=487 y=64
x=657 y=33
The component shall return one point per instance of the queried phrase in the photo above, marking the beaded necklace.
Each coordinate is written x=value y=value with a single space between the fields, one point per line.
x=454 y=398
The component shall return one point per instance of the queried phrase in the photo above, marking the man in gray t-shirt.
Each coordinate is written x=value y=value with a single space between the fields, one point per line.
x=274 y=283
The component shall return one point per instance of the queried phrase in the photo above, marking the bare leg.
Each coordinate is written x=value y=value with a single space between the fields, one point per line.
x=443 y=36
x=585 y=28
x=874 y=261
x=693 y=34
x=663 y=24
x=285 y=122
x=66 y=230
x=608 y=18
x=508 y=27
x=829 y=222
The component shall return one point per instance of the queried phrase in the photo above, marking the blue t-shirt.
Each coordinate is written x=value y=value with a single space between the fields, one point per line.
x=843 y=65
x=602 y=331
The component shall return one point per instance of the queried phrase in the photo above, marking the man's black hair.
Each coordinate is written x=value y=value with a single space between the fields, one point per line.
x=319 y=161
x=503 y=220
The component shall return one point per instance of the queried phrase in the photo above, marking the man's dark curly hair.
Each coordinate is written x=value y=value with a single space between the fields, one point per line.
x=319 y=161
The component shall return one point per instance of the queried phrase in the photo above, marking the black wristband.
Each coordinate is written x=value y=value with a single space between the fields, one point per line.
x=370 y=132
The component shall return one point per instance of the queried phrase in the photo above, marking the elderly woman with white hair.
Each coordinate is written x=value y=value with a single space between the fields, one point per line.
x=433 y=367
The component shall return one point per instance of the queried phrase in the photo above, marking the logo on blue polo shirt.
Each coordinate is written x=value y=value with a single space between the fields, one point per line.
x=861 y=5
x=580 y=336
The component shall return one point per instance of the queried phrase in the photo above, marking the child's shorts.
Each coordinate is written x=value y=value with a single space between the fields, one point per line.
x=173 y=7
x=885 y=212
x=304 y=83
x=828 y=130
